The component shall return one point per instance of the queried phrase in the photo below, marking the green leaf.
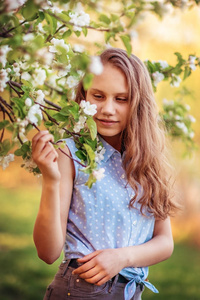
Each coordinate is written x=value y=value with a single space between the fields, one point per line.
x=187 y=72
x=52 y=23
x=5 y=147
x=77 y=33
x=66 y=34
x=92 y=127
x=103 y=18
x=127 y=43
x=91 y=181
x=24 y=151
x=108 y=36
x=87 y=80
x=29 y=10
x=114 y=18
x=3 y=124
x=90 y=152
x=85 y=31
x=81 y=155
x=60 y=117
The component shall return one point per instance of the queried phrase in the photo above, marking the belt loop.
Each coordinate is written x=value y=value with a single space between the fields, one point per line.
x=66 y=262
x=113 y=283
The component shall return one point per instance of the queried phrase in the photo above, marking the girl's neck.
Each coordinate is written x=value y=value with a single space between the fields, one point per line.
x=115 y=142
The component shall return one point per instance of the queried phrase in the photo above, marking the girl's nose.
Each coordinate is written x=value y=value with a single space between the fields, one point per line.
x=108 y=107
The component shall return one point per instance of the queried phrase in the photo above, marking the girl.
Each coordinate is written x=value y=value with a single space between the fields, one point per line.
x=112 y=232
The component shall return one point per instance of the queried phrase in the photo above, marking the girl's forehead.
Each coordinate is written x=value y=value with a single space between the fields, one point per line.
x=112 y=78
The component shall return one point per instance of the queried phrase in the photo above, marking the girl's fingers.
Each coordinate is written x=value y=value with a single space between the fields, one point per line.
x=84 y=268
x=98 y=279
x=40 y=142
x=38 y=136
x=46 y=151
x=88 y=256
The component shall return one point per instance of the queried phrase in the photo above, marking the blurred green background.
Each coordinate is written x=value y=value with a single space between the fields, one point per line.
x=23 y=276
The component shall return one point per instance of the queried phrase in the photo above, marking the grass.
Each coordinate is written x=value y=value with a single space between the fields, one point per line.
x=24 y=277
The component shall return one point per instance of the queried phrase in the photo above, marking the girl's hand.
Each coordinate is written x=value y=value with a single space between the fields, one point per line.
x=100 y=266
x=45 y=155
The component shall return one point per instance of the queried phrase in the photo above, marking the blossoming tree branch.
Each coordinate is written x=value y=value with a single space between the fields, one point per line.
x=41 y=64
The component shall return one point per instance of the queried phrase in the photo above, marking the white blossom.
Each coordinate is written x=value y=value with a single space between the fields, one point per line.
x=34 y=113
x=62 y=81
x=96 y=66
x=16 y=69
x=80 y=124
x=40 y=97
x=22 y=124
x=78 y=48
x=53 y=82
x=26 y=76
x=5 y=160
x=176 y=81
x=23 y=65
x=3 y=79
x=56 y=10
x=168 y=102
x=99 y=174
x=45 y=56
x=187 y=107
x=57 y=44
x=192 y=65
x=192 y=119
x=28 y=102
x=3 y=54
x=191 y=134
x=81 y=73
x=163 y=64
x=28 y=37
x=11 y=5
x=29 y=164
x=157 y=77
x=133 y=34
x=23 y=138
x=40 y=28
x=39 y=77
x=79 y=19
x=88 y=108
x=99 y=154
x=182 y=126
x=71 y=81
x=64 y=71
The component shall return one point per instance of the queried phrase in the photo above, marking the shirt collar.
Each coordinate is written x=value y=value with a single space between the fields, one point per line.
x=109 y=150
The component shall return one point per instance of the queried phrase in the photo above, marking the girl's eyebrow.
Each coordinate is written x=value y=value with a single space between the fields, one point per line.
x=119 y=94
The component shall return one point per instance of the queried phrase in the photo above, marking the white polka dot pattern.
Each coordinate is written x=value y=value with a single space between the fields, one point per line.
x=100 y=217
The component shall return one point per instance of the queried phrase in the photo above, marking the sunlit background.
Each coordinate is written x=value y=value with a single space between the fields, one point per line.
x=24 y=276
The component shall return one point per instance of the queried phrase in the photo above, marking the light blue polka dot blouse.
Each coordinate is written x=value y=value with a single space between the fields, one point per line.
x=100 y=217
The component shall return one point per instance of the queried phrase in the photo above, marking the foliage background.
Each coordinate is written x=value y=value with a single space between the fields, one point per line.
x=24 y=276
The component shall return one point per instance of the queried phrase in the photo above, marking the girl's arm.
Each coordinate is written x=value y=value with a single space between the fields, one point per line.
x=100 y=266
x=58 y=173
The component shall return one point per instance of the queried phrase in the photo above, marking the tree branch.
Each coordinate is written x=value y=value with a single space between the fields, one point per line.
x=6 y=33
x=61 y=149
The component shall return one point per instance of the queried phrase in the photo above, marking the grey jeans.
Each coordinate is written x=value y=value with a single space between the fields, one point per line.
x=67 y=286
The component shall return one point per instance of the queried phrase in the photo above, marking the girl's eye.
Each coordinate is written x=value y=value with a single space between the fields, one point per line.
x=121 y=99
x=97 y=96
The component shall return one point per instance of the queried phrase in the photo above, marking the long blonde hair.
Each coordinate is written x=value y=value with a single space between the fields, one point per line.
x=143 y=139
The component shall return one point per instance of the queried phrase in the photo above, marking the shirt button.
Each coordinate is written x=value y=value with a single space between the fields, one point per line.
x=123 y=176
x=134 y=222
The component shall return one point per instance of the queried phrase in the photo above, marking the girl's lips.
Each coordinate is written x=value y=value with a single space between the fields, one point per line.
x=106 y=122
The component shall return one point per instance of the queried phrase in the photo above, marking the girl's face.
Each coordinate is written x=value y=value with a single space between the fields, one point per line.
x=109 y=91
